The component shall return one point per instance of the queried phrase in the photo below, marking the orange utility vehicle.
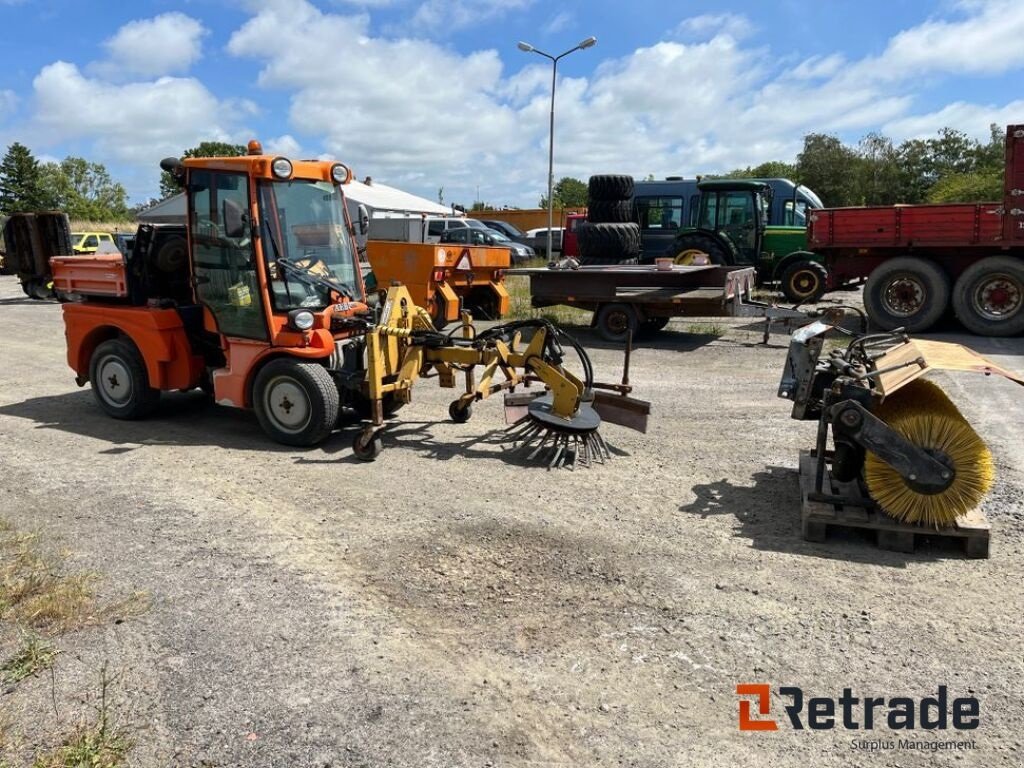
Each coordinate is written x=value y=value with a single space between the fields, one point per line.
x=264 y=306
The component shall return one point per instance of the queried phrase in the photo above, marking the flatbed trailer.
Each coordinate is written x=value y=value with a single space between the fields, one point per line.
x=922 y=260
x=634 y=300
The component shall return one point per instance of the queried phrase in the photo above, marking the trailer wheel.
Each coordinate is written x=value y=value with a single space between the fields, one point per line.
x=120 y=382
x=906 y=292
x=652 y=325
x=37 y=289
x=296 y=403
x=804 y=281
x=989 y=297
x=616 y=321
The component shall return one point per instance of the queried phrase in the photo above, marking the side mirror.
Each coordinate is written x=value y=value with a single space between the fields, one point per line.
x=234 y=219
x=489 y=240
x=364 y=220
x=175 y=167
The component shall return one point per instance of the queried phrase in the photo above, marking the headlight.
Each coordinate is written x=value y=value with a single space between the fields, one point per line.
x=282 y=167
x=301 y=319
x=340 y=173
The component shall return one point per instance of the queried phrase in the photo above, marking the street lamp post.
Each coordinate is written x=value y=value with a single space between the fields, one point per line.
x=551 y=137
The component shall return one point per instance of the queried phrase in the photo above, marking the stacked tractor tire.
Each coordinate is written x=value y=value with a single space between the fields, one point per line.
x=609 y=235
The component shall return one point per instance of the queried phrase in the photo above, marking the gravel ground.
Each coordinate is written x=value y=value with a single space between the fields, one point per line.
x=444 y=607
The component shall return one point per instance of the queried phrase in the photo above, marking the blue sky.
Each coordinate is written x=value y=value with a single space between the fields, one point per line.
x=425 y=94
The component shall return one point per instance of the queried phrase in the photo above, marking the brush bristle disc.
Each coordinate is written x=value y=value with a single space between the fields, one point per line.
x=924 y=415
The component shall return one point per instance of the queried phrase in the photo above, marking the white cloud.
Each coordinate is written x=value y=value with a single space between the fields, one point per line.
x=457 y=14
x=986 y=41
x=137 y=122
x=166 y=44
x=734 y=25
x=972 y=119
x=557 y=23
x=283 y=145
x=8 y=103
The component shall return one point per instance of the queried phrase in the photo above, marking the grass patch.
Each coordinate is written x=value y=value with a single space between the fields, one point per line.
x=37 y=592
x=33 y=657
x=97 y=742
x=518 y=287
x=704 y=329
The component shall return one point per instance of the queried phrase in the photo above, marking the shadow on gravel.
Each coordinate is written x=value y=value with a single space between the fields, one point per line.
x=25 y=300
x=668 y=339
x=417 y=436
x=184 y=419
x=768 y=513
x=180 y=419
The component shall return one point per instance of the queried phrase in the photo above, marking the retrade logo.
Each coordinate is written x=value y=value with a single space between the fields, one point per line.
x=821 y=713
x=763 y=696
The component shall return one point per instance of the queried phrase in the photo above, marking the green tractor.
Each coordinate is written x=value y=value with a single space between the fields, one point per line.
x=732 y=228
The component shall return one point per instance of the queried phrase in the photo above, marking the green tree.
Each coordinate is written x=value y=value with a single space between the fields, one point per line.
x=568 y=193
x=19 y=182
x=168 y=185
x=84 y=190
x=974 y=187
x=879 y=175
x=828 y=167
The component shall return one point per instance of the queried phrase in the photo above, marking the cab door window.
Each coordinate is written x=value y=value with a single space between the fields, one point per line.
x=91 y=242
x=224 y=265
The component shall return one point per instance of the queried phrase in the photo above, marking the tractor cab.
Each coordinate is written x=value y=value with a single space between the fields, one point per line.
x=739 y=210
x=734 y=226
x=272 y=254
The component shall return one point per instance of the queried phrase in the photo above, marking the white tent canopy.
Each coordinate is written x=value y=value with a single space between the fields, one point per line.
x=376 y=197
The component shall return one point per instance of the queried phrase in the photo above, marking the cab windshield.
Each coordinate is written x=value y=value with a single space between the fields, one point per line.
x=306 y=243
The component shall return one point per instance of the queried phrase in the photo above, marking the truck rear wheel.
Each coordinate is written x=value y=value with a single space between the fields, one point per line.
x=804 y=281
x=296 y=403
x=120 y=382
x=989 y=297
x=906 y=292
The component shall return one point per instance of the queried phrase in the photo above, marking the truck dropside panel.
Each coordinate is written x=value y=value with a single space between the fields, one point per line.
x=1013 y=201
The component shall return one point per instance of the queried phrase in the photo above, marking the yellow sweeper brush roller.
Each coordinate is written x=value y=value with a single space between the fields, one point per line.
x=922 y=413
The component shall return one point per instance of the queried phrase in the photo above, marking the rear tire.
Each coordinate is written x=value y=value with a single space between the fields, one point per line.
x=609 y=187
x=120 y=382
x=804 y=281
x=615 y=322
x=988 y=297
x=906 y=292
x=685 y=245
x=296 y=403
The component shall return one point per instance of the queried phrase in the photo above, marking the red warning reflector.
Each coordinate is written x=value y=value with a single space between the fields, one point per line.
x=464 y=264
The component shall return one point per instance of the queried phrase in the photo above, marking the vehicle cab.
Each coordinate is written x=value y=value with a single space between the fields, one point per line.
x=89 y=242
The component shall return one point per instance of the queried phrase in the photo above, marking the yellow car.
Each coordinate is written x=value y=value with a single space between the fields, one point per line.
x=88 y=242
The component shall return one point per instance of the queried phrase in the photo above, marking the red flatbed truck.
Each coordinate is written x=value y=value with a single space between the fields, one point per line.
x=920 y=260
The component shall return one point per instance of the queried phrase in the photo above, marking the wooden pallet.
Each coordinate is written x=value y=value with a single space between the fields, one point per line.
x=973 y=529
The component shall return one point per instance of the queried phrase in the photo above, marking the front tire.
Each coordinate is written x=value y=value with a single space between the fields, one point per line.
x=296 y=403
x=906 y=292
x=120 y=382
x=804 y=281
x=989 y=297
